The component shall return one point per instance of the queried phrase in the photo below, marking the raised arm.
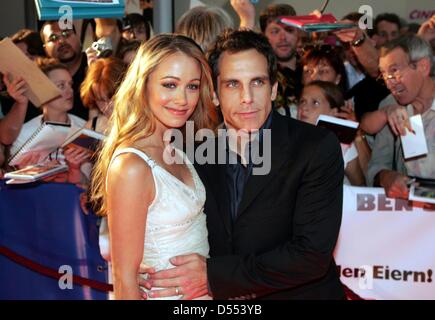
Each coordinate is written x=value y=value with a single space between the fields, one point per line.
x=361 y=45
x=246 y=12
x=10 y=125
x=130 y=191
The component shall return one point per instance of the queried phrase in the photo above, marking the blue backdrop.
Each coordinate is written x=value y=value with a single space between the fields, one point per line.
x=43 y=222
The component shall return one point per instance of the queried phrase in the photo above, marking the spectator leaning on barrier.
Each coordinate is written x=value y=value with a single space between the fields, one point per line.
x=56 y=110
x=405 y=65
x=64 y=45
x=325 y=97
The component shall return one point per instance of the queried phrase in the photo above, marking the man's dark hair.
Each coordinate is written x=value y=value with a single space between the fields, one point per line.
x=235 y=41
x=41 y=29
x=31 y=39
x=272 y=12
x=134 y=20
x=353 y=16
x=389 y=17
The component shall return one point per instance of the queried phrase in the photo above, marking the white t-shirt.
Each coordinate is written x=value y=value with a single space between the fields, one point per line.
x=349 y=152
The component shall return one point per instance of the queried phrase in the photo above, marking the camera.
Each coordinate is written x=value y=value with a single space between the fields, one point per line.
x=103 y=47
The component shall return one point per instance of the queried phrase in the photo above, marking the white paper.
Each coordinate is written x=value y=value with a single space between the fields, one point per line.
x=422 y=194
x=414 y=143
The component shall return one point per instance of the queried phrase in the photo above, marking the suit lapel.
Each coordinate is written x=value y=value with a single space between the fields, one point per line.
x=279 y=154
x=216 y=180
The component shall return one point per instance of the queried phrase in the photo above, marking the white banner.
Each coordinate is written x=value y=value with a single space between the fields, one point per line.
x=386 y=247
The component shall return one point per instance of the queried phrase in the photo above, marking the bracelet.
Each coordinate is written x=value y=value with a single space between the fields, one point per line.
x=359 y=42
x=360 y=138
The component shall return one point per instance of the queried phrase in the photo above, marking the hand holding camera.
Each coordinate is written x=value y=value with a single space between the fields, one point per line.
x=102 y=48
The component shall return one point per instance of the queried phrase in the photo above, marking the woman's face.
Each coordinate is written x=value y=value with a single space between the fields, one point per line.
x=173 y=90
x=312 y=104
x=63 y=81
x=320 y=71
x=102 y=100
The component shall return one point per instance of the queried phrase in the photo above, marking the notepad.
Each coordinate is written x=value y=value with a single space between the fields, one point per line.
x=47 y=138
x=13 y=61
x=423 y=190
x=36 y=172
x=414 y=143
x=313 y=23
x=84 y=138
x=345 y=130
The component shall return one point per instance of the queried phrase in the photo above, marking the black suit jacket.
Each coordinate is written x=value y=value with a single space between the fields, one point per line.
x=281 y=244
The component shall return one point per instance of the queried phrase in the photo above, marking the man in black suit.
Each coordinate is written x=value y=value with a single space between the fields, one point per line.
x=271 y=235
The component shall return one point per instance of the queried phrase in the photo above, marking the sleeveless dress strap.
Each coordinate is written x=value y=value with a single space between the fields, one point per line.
x=137 y=152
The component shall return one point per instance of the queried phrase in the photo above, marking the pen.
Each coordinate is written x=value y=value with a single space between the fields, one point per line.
x=323 y=7
x=410 y=181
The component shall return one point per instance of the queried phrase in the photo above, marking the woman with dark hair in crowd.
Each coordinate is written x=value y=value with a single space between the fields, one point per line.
x=29 y=42
x=324 y=63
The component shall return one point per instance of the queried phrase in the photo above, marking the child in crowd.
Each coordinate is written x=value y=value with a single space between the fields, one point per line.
x=322 y=97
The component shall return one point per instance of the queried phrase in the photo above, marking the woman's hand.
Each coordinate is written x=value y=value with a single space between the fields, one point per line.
x=32 y=158
x=76 y=156
x=91 y=55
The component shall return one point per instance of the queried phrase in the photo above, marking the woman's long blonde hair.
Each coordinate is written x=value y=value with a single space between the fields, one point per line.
x=132 y=119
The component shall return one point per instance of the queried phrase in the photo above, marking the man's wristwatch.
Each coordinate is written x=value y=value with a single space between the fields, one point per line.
x=358 y=42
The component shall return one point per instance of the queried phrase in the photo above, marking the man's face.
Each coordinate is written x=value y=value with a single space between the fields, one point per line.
x=244 y=90
x=386 y=31
x=403 y=77
x=63 y=45
x=283 y=40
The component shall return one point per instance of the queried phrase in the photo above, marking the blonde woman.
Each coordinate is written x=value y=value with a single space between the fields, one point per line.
x=154 y=209
x=204 y=24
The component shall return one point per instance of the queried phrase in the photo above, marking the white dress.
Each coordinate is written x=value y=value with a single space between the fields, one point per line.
x=176 y=223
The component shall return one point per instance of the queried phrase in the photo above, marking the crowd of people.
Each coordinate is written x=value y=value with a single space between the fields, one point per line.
x=248 y=78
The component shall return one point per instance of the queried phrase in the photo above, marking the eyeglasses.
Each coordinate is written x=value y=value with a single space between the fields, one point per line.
x=396 y=72
x=65 y=34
